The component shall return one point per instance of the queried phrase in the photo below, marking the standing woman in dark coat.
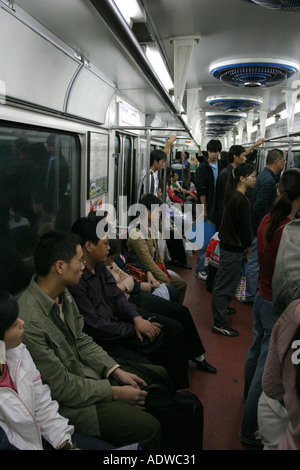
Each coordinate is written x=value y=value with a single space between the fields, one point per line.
x=235 y=242
x=264 y=317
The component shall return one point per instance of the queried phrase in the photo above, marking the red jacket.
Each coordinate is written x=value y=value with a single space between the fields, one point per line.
x=267 y=255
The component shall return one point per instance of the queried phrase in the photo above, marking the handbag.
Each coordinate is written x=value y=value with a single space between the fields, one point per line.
x=137 y=273
x=180 y=415
x=213 y=251
x=161 y=266
x=240 y=293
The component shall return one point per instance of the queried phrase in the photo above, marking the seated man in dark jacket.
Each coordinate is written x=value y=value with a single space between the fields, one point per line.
x=113 y=321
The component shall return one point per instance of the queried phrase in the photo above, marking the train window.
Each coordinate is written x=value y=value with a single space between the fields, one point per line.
x=294 y=160
x=39 y=187
x=261 y=160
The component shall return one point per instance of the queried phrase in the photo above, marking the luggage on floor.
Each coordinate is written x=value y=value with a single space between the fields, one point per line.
x=180 y=415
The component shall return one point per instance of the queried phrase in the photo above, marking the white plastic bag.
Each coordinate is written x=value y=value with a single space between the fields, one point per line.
x=162 y=291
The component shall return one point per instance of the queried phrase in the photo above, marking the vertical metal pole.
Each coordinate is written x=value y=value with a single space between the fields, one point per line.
x=148 y=151
x=288 y=160
x=57 y=175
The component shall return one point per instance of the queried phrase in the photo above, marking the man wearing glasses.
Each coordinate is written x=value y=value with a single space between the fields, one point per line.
x=93 y=391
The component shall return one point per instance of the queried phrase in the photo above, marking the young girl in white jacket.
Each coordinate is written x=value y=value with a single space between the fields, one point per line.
x=28 y=415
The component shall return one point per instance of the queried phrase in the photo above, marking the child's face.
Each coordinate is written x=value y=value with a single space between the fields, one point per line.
x=14 y=335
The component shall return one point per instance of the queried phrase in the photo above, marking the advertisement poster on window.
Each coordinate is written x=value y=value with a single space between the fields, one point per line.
x=97 y=164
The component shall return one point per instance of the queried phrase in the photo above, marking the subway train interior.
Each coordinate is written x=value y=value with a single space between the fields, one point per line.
x=102 y=83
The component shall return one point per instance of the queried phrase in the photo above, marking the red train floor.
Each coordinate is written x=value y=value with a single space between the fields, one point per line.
x=222 y=393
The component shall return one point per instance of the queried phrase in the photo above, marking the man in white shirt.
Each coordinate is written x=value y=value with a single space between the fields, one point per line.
x=157 y=162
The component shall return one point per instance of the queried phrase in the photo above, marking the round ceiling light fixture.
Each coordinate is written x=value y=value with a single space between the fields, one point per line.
x=215 y=134
x=225 y=118
x=285 y=5
x=234 y=103
x=219 y=125
x=253 y=73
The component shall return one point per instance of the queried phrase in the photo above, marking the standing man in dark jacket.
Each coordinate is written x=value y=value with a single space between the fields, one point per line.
x=205 y=181
x=262 y=198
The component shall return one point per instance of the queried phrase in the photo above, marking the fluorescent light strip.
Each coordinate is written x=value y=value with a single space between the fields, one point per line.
x=129 y=9
x=158 y=65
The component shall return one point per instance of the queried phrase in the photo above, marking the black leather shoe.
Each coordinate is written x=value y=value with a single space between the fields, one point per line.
x=204 y=366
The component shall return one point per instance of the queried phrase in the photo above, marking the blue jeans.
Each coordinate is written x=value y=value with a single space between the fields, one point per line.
x=264 y=319
x=201 y=254
x=252 y=272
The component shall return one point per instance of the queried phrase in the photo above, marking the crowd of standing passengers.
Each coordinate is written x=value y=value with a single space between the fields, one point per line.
x=96 y=306
x=250 y=213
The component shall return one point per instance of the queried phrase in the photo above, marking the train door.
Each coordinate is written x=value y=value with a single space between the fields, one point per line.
x=124 y=189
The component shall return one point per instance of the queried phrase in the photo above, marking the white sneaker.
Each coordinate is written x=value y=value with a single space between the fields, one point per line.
x=201 y=275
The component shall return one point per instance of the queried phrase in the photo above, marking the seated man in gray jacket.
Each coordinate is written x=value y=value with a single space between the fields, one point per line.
x=93 y=391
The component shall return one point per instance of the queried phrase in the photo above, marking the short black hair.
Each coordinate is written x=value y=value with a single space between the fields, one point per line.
x=235 y=150
x=86 y=227
x=52 y=247
x=214 y=145
x=115 y=246
x=274 y=155
x=157 y=155
x=9 y=312
x=150 y=200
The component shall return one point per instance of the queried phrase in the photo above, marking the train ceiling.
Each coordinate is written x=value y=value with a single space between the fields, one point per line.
x=221 y=32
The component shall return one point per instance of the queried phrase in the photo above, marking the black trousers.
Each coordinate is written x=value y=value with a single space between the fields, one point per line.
x=176 y=250
x=172 y=354
x=174 y=311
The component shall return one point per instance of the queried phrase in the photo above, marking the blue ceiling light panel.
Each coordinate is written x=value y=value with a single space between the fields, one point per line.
x=233 y=103
x=219 y=125
x=218 y=128
x=285 y=5
x=225 y=118
x=253 y=73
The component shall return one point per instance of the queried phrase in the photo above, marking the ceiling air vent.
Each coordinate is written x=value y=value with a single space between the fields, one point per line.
x=225 y=118
x=286 y=5
x=221 y=126
x=212 y=133
x=253 y=73
x=234 y=104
